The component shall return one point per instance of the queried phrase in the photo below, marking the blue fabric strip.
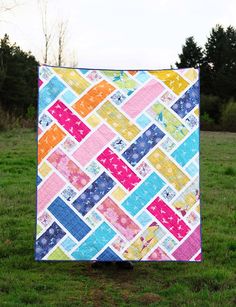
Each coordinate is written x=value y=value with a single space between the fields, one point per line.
x=108 y=255
x=188 y=101
x=48 y=240
x=39 y=179
x=94 y=193
x=69 y=219
x=143 y=145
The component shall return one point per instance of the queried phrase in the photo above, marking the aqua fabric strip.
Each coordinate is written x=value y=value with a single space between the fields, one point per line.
x=143 y=194
x=94 y=243
x=187 y=150
x=49 y=92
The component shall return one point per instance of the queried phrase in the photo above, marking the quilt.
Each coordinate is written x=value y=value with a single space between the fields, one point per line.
x=118 y=165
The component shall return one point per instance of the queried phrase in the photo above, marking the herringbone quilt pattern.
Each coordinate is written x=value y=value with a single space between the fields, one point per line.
x=118 y=165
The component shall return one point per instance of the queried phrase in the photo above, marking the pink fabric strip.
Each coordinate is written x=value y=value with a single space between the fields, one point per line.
x=68 y=169
x=52 y=185
x=39 y=131
x=168 y=218
x=68 y=120
x=118 y=169
x=94 y=143
x=142 y=98
x=189 y=247
x=118 y=218
x=198 y=257
x=158 y=254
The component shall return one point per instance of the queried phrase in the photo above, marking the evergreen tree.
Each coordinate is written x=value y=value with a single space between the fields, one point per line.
x=18 y=78
x=191 y=56
x=217 y=62
x=220 y=56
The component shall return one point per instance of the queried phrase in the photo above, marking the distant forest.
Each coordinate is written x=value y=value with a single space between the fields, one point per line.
x=216 y=60
x=217 y=63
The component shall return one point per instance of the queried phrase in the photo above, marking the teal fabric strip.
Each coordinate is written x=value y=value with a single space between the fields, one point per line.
x=143 y=194
x=188 y=149
x=94 y=243
x=49 y=92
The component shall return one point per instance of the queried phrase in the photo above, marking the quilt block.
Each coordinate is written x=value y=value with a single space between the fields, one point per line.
x=118 y=165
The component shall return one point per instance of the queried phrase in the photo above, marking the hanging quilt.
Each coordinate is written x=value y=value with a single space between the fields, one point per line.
x=118 y=165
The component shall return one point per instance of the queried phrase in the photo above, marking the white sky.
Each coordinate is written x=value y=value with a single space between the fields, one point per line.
x=122 y=34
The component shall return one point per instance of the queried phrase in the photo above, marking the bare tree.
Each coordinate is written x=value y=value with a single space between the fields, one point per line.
x=48 y=36
x=61 y=40
x=6 y=6
x=57 y=37
x=73 y=59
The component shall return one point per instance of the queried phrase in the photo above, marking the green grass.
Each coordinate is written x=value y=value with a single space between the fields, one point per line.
x=26 y=282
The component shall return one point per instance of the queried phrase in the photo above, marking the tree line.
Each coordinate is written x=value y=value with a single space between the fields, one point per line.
x=216 y=60
x=217 y=63
x=18 y=83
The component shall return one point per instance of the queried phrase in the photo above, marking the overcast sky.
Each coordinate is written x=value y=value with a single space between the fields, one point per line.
x=119 y=33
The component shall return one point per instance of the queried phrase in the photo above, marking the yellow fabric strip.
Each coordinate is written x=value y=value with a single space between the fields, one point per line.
x=144 y=243
x=172 y=79
x=118 y=121
x=168 y=169
x=73 y=79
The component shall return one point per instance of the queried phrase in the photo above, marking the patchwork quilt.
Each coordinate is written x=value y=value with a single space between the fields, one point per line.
x=118 y=165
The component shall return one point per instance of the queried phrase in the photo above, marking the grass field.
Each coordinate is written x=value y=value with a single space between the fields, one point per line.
x=24 y=281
